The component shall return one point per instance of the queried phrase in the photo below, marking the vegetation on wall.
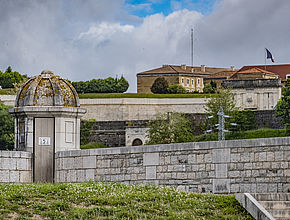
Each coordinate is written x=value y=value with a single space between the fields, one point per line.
x=170 y=128
x=10 y=79
x=6 y=129
x=245 y=120
x=283 y=106
x=85 y=131
x=108 y=85
x=159 y=86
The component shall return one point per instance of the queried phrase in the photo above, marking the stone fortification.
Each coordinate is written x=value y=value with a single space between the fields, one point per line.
x=256 y=165
x=125 y=109
x=15 y=167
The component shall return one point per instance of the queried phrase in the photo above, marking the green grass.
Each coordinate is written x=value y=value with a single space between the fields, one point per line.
x=260 y=133
x=93 y=145
x=113 y=201
x=140 y=95
x=7 y=92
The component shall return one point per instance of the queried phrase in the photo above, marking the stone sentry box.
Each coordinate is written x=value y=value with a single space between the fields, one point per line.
x=47 y=119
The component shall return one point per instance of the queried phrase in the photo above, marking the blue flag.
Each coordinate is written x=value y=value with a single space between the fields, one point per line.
x=269 y=55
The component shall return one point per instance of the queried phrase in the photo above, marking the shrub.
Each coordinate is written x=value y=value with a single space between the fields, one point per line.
x=159 y=86
x=176 y=89
x=170 y=128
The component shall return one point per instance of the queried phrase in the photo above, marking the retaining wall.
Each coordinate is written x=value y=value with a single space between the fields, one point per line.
x=15 y=167
x=255 y=165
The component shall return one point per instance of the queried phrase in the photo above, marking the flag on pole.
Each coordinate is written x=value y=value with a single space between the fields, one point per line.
x=269 y=55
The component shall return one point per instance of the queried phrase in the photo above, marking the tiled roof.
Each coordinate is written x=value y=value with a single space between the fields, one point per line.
x=222 y=74
x=183 y=69
x=282 y=69
x=256 y=70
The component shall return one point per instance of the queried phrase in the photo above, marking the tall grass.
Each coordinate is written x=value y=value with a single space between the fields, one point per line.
x=113 y=201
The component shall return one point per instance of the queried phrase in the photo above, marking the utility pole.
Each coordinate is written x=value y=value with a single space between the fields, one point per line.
x=221 y=124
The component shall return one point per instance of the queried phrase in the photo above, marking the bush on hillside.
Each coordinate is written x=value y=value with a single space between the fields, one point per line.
x=176 y=89
x=108 y=85
x=159 y=86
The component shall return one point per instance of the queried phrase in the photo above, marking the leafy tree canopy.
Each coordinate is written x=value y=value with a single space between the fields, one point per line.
x=224 y=98
x=283 y=107
x=210 y=87
x=176 y=89
x=10 y=79
x=108 y=85
x=159 y=86
x=6 y=129
x=170 y=128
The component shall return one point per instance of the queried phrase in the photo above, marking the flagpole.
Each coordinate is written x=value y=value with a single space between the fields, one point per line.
x=265 y=59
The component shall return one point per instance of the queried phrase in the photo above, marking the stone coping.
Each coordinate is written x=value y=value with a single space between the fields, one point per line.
x=44 y=110
x=15 y=154
x=179 y=147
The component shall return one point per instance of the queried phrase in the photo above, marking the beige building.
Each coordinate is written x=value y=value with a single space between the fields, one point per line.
x=191 y=78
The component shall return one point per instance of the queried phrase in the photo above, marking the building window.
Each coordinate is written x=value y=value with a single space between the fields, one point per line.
x=287 y=76
x=192 y=83
x=187 y=82
x=182 y=81
x=198 y=81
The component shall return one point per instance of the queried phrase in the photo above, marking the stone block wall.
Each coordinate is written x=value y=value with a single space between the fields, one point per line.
x=255 y=165
x=15 y=167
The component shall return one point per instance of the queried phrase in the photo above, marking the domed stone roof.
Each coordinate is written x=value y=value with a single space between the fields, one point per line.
x=47 y=89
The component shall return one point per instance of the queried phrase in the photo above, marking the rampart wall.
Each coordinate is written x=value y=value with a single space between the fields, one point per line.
x=15 y=167
x=255 y=165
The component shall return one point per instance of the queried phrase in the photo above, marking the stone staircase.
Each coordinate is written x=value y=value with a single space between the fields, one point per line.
x=266 y=206
x=277 y=204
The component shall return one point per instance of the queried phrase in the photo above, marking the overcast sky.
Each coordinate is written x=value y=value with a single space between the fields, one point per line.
x=85 y=39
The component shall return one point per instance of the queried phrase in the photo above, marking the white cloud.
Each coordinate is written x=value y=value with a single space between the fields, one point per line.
x=100 y=39
x=104 y=31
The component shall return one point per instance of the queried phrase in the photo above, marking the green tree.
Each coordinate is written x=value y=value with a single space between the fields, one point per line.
x=6 y=129
x=283 y=107
x=108 y=85
x=224 y=98
x=9 y=79
x=245 y=120
x=159 y=86
x=170 y=128
x=122 y=85
x=176 y=89
x=210 y=87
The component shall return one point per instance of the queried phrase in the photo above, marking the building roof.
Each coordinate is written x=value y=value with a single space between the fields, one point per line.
x=253 y=71
x=282 y=69
x=183 y=69
x=222 y=74
x=47 y=89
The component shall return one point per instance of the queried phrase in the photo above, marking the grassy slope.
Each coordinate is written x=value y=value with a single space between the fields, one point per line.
x=112 y=201
x=260 y=133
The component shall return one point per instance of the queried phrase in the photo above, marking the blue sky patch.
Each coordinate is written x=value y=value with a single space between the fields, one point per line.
x=143 y=8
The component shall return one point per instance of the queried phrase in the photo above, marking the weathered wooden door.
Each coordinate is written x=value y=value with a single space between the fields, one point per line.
x=43 y=150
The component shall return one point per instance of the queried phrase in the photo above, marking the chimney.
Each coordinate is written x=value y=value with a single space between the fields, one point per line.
x=183 y=66
x=202 y=68
x=232 y=68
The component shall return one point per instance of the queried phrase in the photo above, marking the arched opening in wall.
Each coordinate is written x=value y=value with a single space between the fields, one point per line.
x=137 y=142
